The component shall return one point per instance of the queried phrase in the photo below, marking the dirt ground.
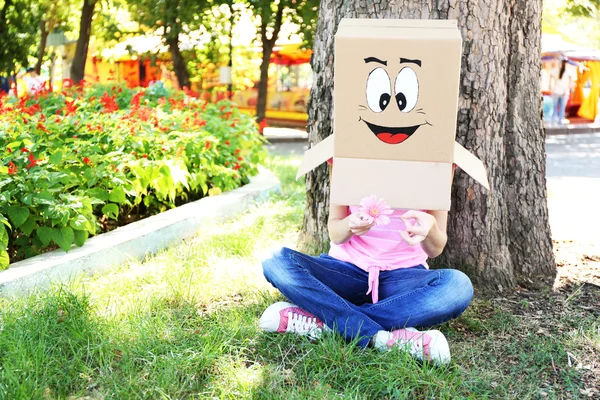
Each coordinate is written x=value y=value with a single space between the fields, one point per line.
x=575 y=297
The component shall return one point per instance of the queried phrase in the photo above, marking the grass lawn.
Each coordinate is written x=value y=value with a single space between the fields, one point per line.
x=183 y=324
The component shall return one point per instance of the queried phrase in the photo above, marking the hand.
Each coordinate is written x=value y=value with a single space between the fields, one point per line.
x=417 y=232
x=358 y=225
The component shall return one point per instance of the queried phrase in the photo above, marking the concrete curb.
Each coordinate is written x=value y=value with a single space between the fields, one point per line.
x=135 y=240
x=283 y=135
x=573 y=129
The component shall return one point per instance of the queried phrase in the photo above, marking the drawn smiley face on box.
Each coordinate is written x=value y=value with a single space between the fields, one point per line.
x=396 y=96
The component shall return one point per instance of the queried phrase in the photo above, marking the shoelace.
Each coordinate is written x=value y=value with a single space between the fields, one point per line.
x=418 y=341
x=301 y=323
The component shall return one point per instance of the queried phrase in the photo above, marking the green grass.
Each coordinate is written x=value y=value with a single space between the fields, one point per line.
x=183 y=324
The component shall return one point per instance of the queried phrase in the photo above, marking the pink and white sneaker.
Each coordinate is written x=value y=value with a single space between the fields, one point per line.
x=428 y=345
x=285 y=317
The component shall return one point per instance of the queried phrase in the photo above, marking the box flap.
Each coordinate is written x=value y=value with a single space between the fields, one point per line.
x=400 y=183
x=316 y=156
x=471 y=165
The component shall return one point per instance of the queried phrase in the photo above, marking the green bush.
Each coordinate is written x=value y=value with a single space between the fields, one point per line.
x=85 y=161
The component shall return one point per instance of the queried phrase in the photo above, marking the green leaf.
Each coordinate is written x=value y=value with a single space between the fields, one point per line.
x=5 y=221
x=117 y=195
x=45 y=234
x=79 y=223
x=18 y=215
x=98 y=193
x=3 y=238
x=29 y=225
x=4 y=260
x=56 y=157
x=44 y=198
x=27 y=199
x=64 y=237
x=111 y=210
x=81 y=237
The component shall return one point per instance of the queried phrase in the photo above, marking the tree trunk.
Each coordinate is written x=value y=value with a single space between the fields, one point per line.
x=500 y=238
x=43 y=39
x=183 y=76
x=267 y=50
x=81 y=49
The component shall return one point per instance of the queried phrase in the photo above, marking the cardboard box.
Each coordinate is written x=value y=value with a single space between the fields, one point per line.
x=395 y=105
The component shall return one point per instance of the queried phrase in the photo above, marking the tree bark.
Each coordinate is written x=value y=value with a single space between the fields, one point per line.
x=81 y=49
x=267 y=50
x=501 y=238
x=42 y=49
x=183 y=76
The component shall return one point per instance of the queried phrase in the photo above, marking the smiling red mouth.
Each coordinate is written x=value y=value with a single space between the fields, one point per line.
x=391 y=135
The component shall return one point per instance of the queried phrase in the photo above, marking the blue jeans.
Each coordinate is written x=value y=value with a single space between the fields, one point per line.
x=560 y=104
x=335 y=291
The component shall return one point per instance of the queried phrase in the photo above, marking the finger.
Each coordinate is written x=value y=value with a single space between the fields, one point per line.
x=418 y=230
x=411 y=214
x=411 y=241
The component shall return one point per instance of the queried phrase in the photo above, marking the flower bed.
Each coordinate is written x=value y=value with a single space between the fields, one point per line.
x=80 y=163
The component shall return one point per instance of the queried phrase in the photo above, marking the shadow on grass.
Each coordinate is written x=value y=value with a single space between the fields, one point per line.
x=58 y=345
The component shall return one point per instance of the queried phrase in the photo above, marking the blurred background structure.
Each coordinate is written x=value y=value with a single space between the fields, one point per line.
x=255 y=52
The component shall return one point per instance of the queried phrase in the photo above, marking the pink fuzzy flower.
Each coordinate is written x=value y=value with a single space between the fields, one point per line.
x=375 y=210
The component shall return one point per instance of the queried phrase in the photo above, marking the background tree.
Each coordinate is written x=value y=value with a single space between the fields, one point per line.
x=171 y=19
x=272 y=15
x=83 y=41
x=501 y=237
x=18 y=34
x=52 y=15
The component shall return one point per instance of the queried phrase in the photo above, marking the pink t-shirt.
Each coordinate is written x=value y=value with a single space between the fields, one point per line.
x=380 y=249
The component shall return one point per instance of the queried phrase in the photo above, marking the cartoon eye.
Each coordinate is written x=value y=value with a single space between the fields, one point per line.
x=379 y=92
x=407 y=89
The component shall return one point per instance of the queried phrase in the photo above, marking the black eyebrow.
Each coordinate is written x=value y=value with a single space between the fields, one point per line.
x=375 y=59
x=407 y=60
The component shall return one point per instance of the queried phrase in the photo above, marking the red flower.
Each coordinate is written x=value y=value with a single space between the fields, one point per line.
x=135 y=100
x=237 y=166
x=226 y=163
x=70 y=108
x=12 y=168
x=262 y=125
x=75 y=136
x=236 y=151
x=109 y=102
x=240 y=158
x=207 y=145
x=227 y=142
x=86 y=161
x=24 y=150
x=9 y=149
x=222 y=108
x=32 y=161
x=228 y=114
x=145 y=156
x=163 y=149
x=42 y=127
